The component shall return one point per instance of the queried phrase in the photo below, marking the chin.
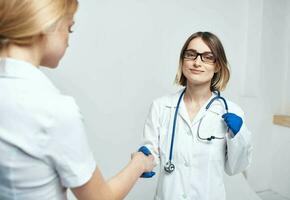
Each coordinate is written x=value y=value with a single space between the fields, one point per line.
x=50 y=64
x=51 y=60
x=52 y=67
x=198 y=82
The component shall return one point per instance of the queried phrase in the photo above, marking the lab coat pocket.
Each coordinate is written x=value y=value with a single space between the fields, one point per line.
x=218 y=125
x=218 y=149
x=218 y=146
x=211 y=124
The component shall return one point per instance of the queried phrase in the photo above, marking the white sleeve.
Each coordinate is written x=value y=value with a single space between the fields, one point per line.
x=239 y=149
x=151 y=131
x=68 y=150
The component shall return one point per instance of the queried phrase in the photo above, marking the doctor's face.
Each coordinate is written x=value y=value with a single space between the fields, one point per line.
x=55 y=43
x=198 y=63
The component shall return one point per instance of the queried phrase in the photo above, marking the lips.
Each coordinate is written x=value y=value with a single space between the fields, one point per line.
x=195 y=71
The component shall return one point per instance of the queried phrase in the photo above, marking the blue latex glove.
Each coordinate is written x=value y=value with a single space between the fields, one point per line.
x=233 y=121
x=146 y=151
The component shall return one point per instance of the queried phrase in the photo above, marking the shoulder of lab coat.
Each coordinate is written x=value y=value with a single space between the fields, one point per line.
x=50 y=124
x=168 y=100
x=239 y=147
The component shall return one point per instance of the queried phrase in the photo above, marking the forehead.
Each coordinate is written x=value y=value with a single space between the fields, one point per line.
x=198 y=45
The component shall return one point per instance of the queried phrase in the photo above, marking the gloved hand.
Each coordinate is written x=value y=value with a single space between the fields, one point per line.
x=146 y=151
x=233 y=121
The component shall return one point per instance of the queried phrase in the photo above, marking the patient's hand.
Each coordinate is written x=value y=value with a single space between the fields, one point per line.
x=146 y=161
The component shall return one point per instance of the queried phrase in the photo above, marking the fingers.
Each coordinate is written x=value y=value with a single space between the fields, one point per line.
x=151 y=163
x=151 y=157
x=226 y=116
x=137 y=154
x=233 y=121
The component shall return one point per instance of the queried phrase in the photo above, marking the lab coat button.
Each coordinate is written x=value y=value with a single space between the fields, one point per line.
x=184 y=196
x=186 y=164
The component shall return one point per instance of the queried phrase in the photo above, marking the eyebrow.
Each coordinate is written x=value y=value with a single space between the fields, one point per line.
x=197 y=51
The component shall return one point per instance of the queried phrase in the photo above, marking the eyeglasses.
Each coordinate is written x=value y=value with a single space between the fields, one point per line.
x=206 y=57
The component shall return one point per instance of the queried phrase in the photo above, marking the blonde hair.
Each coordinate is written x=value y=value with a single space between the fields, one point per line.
x=22 y=20
x=222 y=76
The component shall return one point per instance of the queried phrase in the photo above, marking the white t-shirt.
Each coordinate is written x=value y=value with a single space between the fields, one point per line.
x=43 y=145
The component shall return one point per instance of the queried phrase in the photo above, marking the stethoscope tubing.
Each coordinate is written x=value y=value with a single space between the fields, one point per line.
x=174 y=124
x=169 y=167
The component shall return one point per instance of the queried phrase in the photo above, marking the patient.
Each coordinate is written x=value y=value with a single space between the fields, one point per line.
x=43 y=145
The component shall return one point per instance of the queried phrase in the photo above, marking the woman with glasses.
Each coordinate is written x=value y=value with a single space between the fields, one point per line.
x=196 y=134
x=43 y=145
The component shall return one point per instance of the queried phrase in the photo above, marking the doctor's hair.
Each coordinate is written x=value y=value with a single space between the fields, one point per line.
x=23 y=21
x=222 y=76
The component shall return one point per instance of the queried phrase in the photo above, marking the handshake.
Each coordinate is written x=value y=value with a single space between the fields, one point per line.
x=146 y=152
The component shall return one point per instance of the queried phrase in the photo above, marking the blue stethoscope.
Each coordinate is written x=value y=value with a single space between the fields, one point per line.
x=169 y=166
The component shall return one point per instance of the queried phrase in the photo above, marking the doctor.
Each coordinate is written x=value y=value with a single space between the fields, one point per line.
x=43 y=145
x=196 y=134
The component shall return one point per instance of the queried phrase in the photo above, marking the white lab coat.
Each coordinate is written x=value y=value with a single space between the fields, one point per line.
x=199 y=165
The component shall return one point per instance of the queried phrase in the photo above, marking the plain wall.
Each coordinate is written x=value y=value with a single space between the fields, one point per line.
x=280 y=159
x=270 y=99
x=124 y=54
x=286 y=96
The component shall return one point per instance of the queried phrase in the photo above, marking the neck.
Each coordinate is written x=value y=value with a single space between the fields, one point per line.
x=197 y=94
x=29 y=53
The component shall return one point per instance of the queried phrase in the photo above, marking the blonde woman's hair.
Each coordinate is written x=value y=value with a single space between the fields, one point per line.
x=23 y=20
x=222 y=76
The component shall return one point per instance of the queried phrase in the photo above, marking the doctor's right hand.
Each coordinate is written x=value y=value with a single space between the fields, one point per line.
x=147 y=162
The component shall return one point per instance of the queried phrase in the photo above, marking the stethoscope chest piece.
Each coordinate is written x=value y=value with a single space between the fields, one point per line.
x=169 y=167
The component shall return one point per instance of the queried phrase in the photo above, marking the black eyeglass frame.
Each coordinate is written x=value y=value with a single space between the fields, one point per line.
x=201 y=56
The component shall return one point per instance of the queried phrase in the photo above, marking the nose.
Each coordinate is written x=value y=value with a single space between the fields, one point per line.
x=197 y=62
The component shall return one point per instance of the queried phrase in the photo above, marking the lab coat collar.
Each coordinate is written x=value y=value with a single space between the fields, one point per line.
x=216 y=107
x=174 y=98
x=172 y=101
x=13 y=68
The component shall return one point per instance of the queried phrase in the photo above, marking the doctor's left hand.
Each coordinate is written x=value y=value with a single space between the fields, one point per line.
x=233 y=121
